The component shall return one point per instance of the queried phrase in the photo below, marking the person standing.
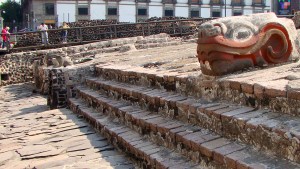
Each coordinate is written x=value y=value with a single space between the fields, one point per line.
x=5 y=37
x=65 y=32
x=43 y=28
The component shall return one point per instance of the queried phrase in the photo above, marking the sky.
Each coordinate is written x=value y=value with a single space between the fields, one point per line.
x=5 y=0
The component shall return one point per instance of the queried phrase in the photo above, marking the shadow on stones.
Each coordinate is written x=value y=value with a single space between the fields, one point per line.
x=34 y=109
x=19 y=91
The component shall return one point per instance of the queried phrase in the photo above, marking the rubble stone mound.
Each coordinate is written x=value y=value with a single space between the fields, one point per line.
x=231 y=44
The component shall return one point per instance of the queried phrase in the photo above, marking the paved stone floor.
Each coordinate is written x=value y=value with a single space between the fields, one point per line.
x=31 y=136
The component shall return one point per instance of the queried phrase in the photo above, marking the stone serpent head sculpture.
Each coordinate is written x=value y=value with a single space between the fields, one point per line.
x=231 y=44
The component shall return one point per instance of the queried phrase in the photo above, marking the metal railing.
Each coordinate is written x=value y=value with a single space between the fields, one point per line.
x=23 y=41
x=81 y=35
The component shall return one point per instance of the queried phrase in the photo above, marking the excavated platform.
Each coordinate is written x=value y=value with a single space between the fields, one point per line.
x=256 y=109
x=275 y=87
x=31 y=136
x=158 y=97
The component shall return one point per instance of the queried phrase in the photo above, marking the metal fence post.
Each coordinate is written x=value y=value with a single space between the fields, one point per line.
x=143 y=29
x=148 y=26
x=80 y=35
x=174 y=29
x=115 y=31
x=110 y=32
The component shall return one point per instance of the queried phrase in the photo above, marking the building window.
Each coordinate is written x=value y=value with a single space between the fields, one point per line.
x=142 y=12
x=195 y=14
x=169 y=12
x=83 y=11
x=112 y=11
x=237 y=13
x=216 y=14
x=49 y=8
x=141 y=0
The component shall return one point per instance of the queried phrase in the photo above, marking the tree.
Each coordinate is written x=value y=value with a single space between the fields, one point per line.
x=13 y=12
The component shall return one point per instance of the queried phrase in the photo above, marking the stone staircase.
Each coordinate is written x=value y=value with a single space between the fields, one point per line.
x=161 y=128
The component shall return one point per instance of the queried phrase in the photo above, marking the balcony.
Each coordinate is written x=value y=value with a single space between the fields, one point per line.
x=195 y=2
x=169 y=1
x=145 y=1
x=237 y=3
x=257 y=3
x=216 y=2
x=112 y=0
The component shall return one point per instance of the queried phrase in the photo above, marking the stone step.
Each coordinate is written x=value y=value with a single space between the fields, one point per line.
x=160 y=44
x=147 y=153
x=190 y=140
x=273 y=132
x=250 y=93
x=116 y=45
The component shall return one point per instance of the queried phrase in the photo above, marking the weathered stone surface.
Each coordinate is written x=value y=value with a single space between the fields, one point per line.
x=174 y=134
x=35 y=149
x=231 y=44
x=60 y=148
x=296 y=19
x=4 y=157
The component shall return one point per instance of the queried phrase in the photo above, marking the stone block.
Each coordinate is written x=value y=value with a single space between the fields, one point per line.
x=259 y=91
x=220 y=153
x=293 y=94
x=247 y=88
x=207 y=148
x=234 y=85
x=275 y=92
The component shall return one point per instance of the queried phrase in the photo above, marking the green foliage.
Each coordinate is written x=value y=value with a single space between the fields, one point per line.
x=12 y=10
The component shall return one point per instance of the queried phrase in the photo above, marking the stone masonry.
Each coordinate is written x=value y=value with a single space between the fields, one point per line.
x=155 y=105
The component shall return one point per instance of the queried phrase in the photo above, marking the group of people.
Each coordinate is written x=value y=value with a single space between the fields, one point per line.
x=43 y=28
x=5 y=37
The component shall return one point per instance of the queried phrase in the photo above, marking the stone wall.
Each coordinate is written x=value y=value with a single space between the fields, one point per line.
x=18 y=67
x=58 y=81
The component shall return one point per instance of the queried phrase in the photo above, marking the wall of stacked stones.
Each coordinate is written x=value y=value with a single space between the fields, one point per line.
x=57 y=81
x=16 y=68
x=60 y=82
x=28 y=66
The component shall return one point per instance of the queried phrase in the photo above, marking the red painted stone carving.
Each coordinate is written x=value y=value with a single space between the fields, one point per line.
x=231 y=44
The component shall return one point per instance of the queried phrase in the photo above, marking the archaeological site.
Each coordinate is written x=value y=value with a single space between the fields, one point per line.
x=176 y=93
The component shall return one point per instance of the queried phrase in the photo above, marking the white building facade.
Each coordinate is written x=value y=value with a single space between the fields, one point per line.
x=57 y=11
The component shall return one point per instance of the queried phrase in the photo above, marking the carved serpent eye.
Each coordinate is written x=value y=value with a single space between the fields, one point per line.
x=241 y=34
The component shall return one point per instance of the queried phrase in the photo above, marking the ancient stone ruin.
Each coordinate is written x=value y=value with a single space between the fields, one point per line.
x=296 y=19
x=152 y=105
x=231 y=44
